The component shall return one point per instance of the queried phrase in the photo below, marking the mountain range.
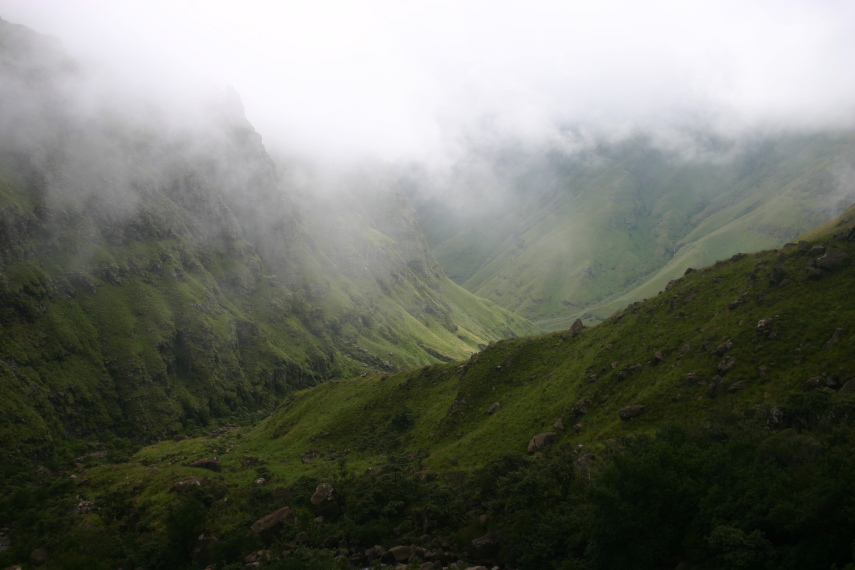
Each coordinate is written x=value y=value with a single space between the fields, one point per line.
x=214 y=356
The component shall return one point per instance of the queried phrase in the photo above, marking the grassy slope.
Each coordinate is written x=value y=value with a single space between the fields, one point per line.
x=539 y=379
x=617 y=229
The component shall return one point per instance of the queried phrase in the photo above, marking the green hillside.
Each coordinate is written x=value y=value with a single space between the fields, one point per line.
x=613 y=225
x=155 y=275
x=708 y=426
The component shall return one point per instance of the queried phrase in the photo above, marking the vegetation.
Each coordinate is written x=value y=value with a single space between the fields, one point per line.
x=740 y=458
x=584 y=235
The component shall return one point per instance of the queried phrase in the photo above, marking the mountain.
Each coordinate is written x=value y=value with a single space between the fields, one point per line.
x=581 y=235
x=156 y=273
x=708 y=426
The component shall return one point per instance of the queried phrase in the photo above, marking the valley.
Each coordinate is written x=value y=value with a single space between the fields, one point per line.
x=220 y=353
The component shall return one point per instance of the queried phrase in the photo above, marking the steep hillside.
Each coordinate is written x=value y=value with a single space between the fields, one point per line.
x=708 y=426
x=155 y=273
x=584 y=235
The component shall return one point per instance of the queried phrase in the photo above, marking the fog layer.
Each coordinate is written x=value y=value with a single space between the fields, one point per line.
x=416 y=80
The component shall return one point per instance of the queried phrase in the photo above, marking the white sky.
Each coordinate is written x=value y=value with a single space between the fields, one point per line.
x=406 y=78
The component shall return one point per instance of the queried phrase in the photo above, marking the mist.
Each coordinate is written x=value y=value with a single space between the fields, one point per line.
x=418 y=80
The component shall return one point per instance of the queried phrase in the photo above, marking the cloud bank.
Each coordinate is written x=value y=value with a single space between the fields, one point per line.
x=412 y=80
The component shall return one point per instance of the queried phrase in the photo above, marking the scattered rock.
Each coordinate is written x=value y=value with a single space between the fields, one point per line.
x=848 y=387
x=269 y=525
x=726 y=364
x=540 y=441
x=323 y=502
x=398 y=554
x=580 y=408
x=374 y=553
x=212 y=464
x=39 y=557
x=692 y=379
x=675 y=397
x=764 y=323
x=186 y=482
x=737 y=386
x=816 y=250
x=813 y=383
x=488 y=544
x=494 y=408
x=830 y=342
x=577 y=327
x=721 y=349
x=658 y=357
x=833 y=259
x=631 y=411
x=559 y=424
x=712 y=391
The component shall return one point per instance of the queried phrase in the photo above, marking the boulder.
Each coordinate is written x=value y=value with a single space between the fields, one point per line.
x=813 y=383
x=631 y=411
x=541 y=440
x=212 y=464
x=39 y=557
x=323 y=502
x=830 y=342
x=374 y=553
x=833 y=259
x=488 y=545
x=577 y=327
x=399 y=554
x=726 y=364
x=186 y=482
x=714 y=385
x=268 y=526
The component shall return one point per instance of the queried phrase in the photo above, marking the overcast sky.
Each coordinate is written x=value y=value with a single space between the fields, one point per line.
x=406 y=78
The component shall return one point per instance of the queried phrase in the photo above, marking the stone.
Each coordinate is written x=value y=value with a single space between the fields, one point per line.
x=487 y=545
x=398 y=554
x=848 y=387
x=830 y=342
x=270 y=524
x=186 y=482
x=212 y=464
x=494 y=408
x=577 y=327
x=323 y=502
x=39 y=557
x=813 y=383
x=631 y=411
x=580 y=408
x=712 y=391
x=374 y=553
x=833 y=259
x=764 y=323
x=816 y=250
x=726 y=364
x=723 y=347
x=737 y=386
x=541 y=440
x=658 y=357
x=559 y=424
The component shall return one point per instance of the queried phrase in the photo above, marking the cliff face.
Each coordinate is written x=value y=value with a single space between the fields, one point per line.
x=154 y=272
